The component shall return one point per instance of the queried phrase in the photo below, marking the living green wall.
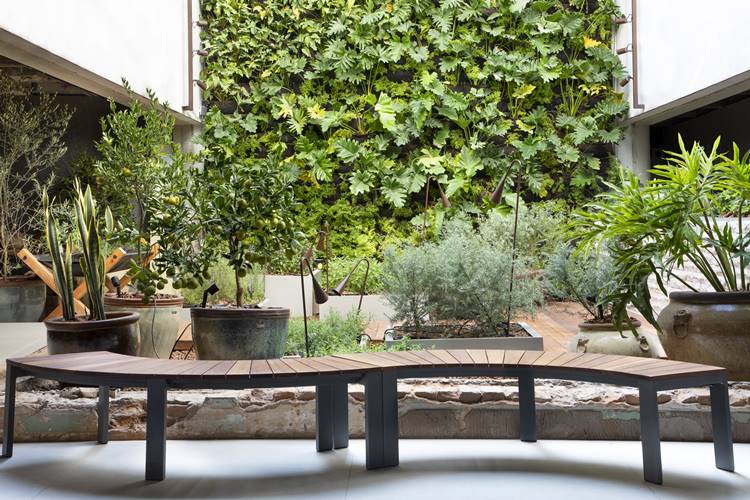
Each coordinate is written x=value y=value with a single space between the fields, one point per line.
x=367 y=100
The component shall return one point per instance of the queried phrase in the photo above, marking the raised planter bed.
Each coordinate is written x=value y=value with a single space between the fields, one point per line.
x=533 y=341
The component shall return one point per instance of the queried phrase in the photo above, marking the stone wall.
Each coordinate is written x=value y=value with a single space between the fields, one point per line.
x=438 y=408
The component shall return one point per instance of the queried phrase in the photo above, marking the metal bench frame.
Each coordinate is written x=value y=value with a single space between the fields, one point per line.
x=381 y=405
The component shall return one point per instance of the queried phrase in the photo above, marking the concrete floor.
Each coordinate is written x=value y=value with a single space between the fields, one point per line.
x=433 y=469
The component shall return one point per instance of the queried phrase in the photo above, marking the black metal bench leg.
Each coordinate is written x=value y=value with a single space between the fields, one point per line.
x=527 y=407
x=381 y=419
x=324 y=417
x=102 y=428
x=650 y=434
x=340 y=415
x=721 y=422
x=11 y=374
x=156 y=430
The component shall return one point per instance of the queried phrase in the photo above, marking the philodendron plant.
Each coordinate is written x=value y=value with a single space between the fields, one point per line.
x=676 y=218
x=92 y=259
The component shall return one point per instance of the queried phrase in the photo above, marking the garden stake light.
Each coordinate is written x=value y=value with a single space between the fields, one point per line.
x=209 y=291
x=339 y=289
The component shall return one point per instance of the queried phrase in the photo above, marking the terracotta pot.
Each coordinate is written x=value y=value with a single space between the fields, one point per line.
x=605 y=338
x=233 y=333
x=22 y=299
x=710 y=328
x=118 y=333
x=159 y=323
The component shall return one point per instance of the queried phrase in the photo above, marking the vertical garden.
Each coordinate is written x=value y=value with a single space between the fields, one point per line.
x=395 y=115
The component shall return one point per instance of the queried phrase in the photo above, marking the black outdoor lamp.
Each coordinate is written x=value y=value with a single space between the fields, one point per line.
x=321 y=297
x=208 y=291
x=118 y=287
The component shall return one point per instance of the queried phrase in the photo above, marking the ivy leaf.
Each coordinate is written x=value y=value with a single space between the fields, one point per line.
x=386 y=112
x=523 y=90
x=468 y=162
x=249 y=123
x=432 y=162
x=517 y=6
x=568 y=154
x=454 y=185
x=610 y=136
x=347 y=149
x=393 y=191
x=360 y=182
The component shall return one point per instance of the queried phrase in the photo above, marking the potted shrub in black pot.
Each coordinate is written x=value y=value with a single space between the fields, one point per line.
x=99 y=331
x=139 y=169
x=235 y=209
x=32 y=129
x=676 y=223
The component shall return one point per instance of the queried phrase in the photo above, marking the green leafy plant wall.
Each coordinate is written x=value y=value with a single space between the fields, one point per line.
x=375 y=98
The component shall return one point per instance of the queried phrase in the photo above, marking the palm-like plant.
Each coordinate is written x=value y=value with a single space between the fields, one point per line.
x=675 y=219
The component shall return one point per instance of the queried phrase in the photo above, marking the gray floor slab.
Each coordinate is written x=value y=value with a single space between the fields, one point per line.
x=21 y=339
x=431 y=469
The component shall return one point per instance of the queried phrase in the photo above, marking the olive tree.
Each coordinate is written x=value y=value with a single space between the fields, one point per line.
x=32 y=126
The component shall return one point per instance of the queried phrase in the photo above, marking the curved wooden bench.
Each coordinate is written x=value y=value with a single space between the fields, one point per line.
x=379 y=373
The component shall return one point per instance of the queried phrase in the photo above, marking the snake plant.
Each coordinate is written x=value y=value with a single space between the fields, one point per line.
x=91 y=261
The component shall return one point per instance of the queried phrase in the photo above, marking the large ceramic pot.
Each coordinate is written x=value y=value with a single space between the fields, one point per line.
x=605 y=338
x=118 y=333
x=159 y=323
x=234 y=333
x=21 y=300
x=711 y=328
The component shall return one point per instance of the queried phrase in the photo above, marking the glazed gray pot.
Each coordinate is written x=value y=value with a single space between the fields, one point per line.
x=234 y=333
x=159 y=323
x=711 y=328
x=118 y=333
x=22 y=300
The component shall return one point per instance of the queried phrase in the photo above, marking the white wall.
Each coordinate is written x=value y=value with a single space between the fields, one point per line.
x=144 y=41
x=685 y=46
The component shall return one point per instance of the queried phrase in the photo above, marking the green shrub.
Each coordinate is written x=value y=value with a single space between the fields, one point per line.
x=340 y=267
x=541 y=228
x=222 y=274
x=584 y=278
x=464 y=276
x=334 y=334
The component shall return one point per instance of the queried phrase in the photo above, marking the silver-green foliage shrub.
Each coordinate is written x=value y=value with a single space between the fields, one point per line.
x=463 y=276
x=584 y=278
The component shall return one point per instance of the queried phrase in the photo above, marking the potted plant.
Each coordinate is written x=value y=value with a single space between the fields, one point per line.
x=235 y=209
x=140 y=166
x=32 y=129
x=100 y=331
x=588 y=278
x=451 y=295
x=676 y=220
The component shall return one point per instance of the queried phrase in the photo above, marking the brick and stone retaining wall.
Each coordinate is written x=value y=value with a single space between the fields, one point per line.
x=438 y=408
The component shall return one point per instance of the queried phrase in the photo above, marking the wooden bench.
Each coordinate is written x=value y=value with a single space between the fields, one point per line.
x=378 y=372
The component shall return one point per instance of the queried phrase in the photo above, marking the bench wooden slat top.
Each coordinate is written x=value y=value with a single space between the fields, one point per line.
x=512 y=357
x=119 y=366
